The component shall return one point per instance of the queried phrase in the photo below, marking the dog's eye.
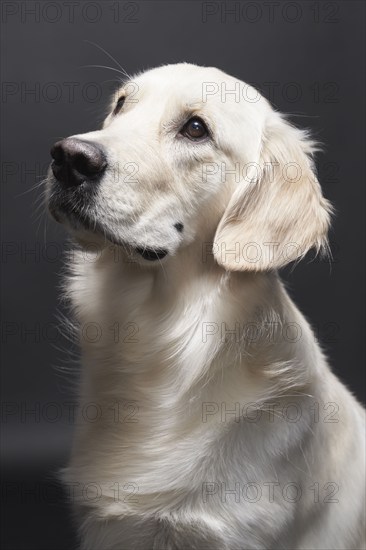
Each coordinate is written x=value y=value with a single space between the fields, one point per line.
x=119 y=105
x=195 y=129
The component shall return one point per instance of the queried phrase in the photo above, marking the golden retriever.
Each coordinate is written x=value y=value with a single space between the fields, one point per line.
x=209 y=417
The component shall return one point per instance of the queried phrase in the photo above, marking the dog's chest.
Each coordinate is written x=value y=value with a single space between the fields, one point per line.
x=159 y=365
x=147 y=374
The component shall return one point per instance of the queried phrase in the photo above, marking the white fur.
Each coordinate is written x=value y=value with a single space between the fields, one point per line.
x=182 y=373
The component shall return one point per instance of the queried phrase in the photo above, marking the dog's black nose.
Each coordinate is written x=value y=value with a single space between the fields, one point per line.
x=76 y=161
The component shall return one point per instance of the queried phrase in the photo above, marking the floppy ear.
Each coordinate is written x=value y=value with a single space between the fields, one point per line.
x=280 y=213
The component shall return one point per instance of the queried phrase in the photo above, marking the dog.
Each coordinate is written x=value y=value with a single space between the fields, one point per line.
x=208 y=417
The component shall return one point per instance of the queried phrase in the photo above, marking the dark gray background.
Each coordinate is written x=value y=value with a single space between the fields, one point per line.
x=307 y=57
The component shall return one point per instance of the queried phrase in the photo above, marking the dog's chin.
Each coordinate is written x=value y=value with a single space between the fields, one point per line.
x=90 y=234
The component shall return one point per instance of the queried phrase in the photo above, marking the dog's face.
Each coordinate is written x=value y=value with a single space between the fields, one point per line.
x=185 y=152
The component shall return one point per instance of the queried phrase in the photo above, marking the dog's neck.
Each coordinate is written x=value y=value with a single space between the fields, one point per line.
x=173 y=321
x=180 y=344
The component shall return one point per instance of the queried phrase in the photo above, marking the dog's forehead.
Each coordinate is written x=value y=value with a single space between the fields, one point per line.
x=234 y=110
x=190 y=84
x=180 y=75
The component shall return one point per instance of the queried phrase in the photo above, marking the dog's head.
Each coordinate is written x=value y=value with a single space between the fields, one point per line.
x=188 y=154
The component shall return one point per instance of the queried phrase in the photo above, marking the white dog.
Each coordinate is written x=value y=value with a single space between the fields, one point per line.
x=209 y=417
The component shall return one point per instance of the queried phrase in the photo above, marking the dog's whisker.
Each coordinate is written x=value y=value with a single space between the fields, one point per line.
x=110 y=57
x=33 y=187
x=103 y=67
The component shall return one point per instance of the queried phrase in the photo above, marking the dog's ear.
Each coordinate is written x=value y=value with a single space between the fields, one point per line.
x=278 y=214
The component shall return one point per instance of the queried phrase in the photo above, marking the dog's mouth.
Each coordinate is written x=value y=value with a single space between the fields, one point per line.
x=152 y=254
x=80 y=222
